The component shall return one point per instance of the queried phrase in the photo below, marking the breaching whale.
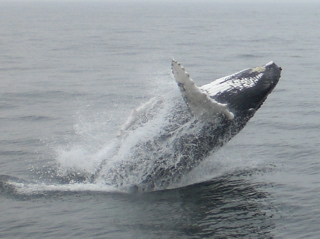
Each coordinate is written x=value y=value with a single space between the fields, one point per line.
x=208 y=117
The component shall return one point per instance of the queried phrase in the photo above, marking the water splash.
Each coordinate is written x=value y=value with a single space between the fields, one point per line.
x=124 y=159
x=105 y=160
x=143 y=145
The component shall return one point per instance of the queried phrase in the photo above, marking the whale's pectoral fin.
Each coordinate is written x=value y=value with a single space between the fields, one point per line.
x=198 y=101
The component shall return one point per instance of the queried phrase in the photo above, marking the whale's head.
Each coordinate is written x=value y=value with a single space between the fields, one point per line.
x=244 y=92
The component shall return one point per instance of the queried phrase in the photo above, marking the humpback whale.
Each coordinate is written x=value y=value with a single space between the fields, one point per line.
x=207 y=118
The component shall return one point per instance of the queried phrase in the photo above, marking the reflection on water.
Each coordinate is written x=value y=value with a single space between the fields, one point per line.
x=230 y=206
x=224 y=208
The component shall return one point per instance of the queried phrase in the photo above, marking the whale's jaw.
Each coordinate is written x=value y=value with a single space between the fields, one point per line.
x=244 y=92
x=239 y=94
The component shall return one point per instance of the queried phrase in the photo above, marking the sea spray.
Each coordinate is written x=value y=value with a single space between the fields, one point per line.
x=165 y=138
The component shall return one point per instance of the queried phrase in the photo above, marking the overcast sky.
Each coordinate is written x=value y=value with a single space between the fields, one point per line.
x=182 y=1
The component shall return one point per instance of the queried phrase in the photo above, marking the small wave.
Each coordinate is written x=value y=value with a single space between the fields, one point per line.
x=249 y=56
x=35 y=118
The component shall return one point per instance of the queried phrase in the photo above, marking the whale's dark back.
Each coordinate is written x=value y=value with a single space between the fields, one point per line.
x=250 y=89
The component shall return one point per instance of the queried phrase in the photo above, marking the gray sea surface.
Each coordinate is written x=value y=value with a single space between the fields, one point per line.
x=72 y=71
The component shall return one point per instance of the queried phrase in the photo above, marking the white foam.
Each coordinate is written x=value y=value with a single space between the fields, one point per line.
x=89 y=153
x=42 y=188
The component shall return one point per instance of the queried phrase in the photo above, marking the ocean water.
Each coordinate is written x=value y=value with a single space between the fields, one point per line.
x=72 y=71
